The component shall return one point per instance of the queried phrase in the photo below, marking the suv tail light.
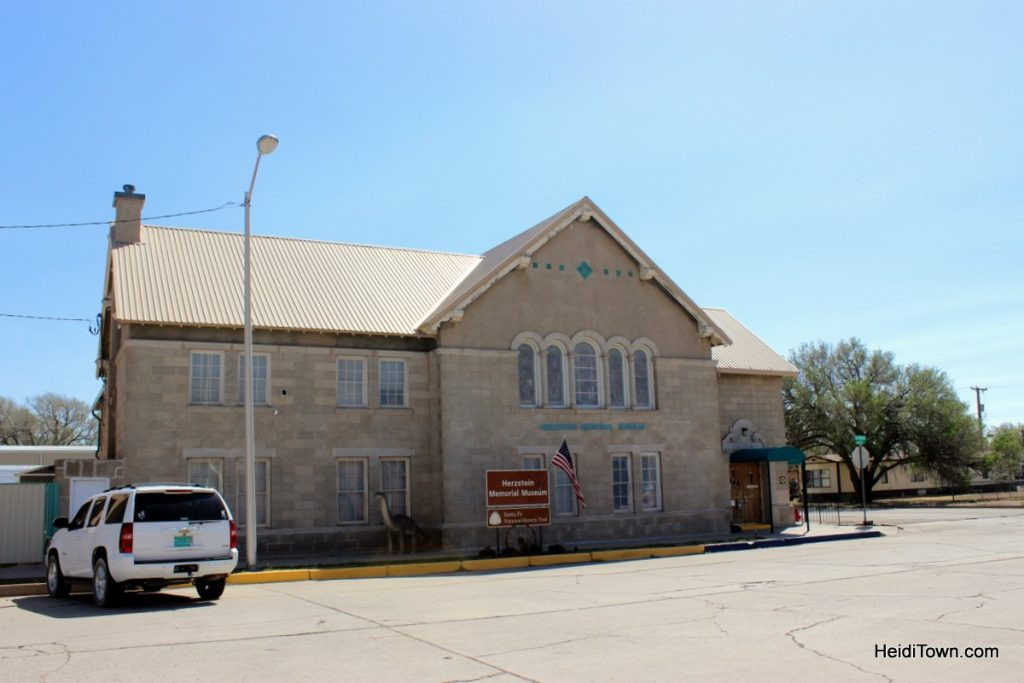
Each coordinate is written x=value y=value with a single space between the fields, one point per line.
x=234 y=534
x=124 y=543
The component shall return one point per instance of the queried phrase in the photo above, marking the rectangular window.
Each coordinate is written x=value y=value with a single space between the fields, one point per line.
x=394 y=484
x=533 y=462
x=650 y=482
x=392 y=383
x=565 y=496
x=206 y=375
x=118 y=503
x=206 y=472
x=262 y=490
x=622 y=490
x=351 y=382
x=352 y=491
x=819 y=479
x=885 y=478
x=97 y=511
x=917 y=477
x=555 y=377
x=260 y=379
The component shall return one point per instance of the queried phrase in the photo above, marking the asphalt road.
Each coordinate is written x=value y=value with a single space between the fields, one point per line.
x=819 y=612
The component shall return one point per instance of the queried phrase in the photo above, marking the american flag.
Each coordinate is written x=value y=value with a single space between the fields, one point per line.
x=563 y=461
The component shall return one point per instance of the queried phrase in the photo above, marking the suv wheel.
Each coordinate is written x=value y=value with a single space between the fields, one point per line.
x=210 y=589
x=105 y=591
x=56 y=585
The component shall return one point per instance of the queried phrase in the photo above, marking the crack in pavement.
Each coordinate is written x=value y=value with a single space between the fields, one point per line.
x=803 y=646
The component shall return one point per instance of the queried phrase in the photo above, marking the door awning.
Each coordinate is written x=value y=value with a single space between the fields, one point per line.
x=790 y=454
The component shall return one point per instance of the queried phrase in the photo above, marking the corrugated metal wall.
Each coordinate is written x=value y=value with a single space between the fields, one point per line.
x=22 y=523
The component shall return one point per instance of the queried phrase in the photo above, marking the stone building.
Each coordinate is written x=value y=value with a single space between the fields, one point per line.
x=412 y=373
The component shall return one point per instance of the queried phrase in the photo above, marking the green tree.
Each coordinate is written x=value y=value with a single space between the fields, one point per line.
x=910 y=415
x=1006 y=453
x=48 y=420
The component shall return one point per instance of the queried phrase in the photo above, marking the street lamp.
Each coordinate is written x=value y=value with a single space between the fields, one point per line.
x=265 y=145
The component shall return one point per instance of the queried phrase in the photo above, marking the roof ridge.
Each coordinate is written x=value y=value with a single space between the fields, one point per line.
x=313 y=241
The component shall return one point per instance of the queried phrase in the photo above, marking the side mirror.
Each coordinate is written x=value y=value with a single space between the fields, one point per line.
x=60 y=523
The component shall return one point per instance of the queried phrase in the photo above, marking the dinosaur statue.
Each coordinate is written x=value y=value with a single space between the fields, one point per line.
x=400 y=525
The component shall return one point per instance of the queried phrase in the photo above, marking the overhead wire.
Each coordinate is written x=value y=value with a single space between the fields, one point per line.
x=108 y=222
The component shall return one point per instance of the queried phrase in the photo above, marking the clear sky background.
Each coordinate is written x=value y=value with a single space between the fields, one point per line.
x=820 y=169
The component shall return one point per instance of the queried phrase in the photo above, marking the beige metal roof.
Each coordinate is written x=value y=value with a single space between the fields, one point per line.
x=747 y=354
x=192 y=277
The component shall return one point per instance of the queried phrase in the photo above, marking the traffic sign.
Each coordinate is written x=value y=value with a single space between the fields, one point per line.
x=860 y=439
x=861 y=458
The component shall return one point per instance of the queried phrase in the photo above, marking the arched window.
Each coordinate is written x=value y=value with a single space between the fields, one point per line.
x=555 y=363
x=641 y=380
x=616 y=379
x=585 y=376
x=527 y=376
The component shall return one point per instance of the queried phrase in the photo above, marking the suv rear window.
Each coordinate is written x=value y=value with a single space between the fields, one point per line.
x=194 y=506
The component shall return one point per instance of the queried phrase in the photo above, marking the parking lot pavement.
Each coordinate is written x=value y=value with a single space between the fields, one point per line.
x=867 y=610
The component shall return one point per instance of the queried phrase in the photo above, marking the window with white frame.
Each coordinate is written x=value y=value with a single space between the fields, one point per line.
x=918 y=477
x=533 y=462
x=206 y=472
x=819 y=479
x=616 y=379
x=206 y=376
x=394 y=484
x=392 y=383
x=641 y=379
x=527 y=376
x=351 y=382
x=260 y=378
x=352 y=485
x=650 y=482
x=622 y=490
x=262 y=492
x=564 y=495
x=585 y=376
x=555 y=364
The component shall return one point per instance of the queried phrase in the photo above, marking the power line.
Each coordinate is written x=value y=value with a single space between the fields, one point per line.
x=44 y=317
x=108 y=222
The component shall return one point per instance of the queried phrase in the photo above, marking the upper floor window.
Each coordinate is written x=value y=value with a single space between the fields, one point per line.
x=616 y=379
x=555 y=363
x=260 y=378
x=641 y=379
x=351 y=382
x=527 y=376
x=392 y=383
x=586 y=376
x=206 y=374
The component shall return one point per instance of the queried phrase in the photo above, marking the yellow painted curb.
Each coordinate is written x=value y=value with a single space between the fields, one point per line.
x=754 y=527
x=348 y=573
x=568 y=558
x=677 y=551
x=270 y=576
x=496 y=563
x=629 y=554
x=423 y=568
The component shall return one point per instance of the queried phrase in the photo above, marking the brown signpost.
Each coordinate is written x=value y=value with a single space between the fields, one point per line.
x=518 y=497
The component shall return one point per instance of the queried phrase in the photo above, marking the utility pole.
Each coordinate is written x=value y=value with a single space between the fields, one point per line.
x=981 y=406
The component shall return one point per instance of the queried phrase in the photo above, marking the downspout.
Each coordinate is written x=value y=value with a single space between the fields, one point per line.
x=803 y=483
x=771 y=510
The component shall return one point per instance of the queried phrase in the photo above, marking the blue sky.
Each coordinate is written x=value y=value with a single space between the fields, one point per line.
x=821 y=169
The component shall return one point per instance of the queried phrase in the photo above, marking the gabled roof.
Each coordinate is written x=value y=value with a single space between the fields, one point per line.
x=194 y=278
x=747 y=354
x=517 y=251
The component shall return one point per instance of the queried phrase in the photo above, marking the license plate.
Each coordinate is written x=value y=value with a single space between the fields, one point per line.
x=182 y=541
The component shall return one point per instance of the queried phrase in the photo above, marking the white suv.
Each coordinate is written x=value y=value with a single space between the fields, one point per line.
x=146 y=536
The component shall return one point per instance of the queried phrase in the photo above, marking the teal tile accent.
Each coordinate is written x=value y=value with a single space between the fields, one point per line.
x=595 y=426
x=548 y=266
x=584 y=269
x=605 y=271
x=618 y=273
x=561 y=266
x=631 y=273
x=536 y=265
x=632 y=426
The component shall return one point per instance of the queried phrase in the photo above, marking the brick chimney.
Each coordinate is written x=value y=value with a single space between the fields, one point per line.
x=127 y=226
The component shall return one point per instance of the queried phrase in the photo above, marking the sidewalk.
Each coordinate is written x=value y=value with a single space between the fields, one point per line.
x=29 y=579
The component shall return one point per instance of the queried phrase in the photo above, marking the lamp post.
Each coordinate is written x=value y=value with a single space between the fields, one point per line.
x=265 y=145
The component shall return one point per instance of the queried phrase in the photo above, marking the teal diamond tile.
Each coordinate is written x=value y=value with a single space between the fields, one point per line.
x=584 y=269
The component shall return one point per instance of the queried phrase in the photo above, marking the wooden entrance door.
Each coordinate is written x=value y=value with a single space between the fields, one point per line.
x=748 y=503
